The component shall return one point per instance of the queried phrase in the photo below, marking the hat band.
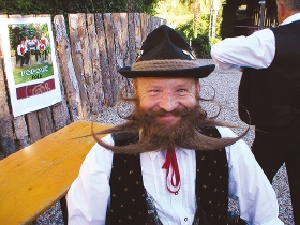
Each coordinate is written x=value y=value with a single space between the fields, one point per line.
x=164 y=65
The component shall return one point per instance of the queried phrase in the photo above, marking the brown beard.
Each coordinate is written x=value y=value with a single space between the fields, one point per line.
x=155 y=135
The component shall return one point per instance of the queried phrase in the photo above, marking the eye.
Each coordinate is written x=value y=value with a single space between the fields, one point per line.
x=154 y=91
x=181 y=90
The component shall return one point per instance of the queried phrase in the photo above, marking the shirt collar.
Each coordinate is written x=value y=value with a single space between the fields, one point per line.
x=154 y=154
x=291 y=19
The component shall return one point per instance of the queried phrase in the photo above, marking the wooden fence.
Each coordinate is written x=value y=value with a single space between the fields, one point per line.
x=88 y=57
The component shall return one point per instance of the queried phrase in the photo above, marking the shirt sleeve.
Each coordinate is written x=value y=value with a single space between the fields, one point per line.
x=254 y=51
x=248 y=183
x=89 y=194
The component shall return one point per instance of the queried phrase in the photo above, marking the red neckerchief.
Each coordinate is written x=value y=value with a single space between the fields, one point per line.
x=171 y=165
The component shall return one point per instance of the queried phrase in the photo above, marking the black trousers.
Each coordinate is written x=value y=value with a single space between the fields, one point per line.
x=274 y=146
x=22 y=60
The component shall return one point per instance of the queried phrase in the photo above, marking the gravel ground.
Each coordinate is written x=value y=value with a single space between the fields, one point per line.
x=225 y=84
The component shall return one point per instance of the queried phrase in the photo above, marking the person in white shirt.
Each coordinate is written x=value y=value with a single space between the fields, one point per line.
x=22 y=52
x=169 y=163
x=43 y=43
x=270 y=91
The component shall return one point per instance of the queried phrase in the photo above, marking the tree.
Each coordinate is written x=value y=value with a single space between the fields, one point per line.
x=198 y=7
x=54 y=7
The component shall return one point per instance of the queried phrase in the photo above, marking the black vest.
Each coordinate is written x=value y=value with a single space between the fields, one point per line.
x=128 y=197
x=272 y=95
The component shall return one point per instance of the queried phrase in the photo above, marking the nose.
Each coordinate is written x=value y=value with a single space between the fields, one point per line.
x=168 y=102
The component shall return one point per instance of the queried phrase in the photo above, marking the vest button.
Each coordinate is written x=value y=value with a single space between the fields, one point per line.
x=186 y=219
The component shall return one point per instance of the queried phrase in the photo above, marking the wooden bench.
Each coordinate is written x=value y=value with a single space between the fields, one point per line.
x=36 y=177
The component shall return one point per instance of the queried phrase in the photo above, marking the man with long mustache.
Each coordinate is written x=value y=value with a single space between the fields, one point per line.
x=169 y=164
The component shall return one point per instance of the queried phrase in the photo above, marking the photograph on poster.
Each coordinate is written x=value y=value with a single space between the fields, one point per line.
x=30 y=65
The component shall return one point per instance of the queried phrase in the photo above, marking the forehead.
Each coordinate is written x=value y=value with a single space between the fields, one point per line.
x=148 y=82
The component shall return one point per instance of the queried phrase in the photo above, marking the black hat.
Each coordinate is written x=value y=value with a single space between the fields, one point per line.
x=166 y=54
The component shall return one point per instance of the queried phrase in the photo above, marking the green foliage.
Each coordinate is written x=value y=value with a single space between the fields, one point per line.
x=187 y=29
x=201 y=46
x=175 y=12
x=54 y=7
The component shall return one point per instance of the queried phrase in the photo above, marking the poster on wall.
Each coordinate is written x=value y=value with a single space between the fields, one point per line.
x=30 y=63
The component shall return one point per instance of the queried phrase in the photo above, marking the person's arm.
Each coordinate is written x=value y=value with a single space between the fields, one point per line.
x=247 y=183
x=253 y=51
x=89 y=194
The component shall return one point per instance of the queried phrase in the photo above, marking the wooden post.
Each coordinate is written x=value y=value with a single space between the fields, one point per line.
x=104 y=68
x=95 y=87
x=6 y=129
x=71 y=88
x=77 y=35
x=111 y=54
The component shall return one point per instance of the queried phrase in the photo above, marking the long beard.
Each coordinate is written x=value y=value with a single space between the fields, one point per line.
x=155 y=135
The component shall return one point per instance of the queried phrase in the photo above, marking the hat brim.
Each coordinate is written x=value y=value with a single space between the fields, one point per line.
x=198 y=72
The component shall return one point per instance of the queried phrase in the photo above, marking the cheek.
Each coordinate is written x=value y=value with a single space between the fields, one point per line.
x=188 y=101
x=146 y=103
x=189 y=104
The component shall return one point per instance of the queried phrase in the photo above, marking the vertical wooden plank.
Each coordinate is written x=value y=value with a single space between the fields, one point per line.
x=46 y=121
x=104 y=68
x=124 y=44
x=87 y=64
x=121 y=40
x=144 y=21
x=156 y=22
x=118 y=31
x=6 y=129
x=110 y=40
x=60 y=111
x=77 y=32
x=131 y=31
x=33 y=126
x=148 y=28
x=126 y=51
x=137 y=30
x=95 y=89
x=21 y=132
x=71 y=87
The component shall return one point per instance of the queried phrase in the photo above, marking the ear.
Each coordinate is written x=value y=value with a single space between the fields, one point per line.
x=281 y=12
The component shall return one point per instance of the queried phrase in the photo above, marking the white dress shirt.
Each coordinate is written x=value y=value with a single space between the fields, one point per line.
x=254 y=51
x=89 y=194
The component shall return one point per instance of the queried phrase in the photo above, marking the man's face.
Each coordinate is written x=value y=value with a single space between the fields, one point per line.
x=167 y=94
